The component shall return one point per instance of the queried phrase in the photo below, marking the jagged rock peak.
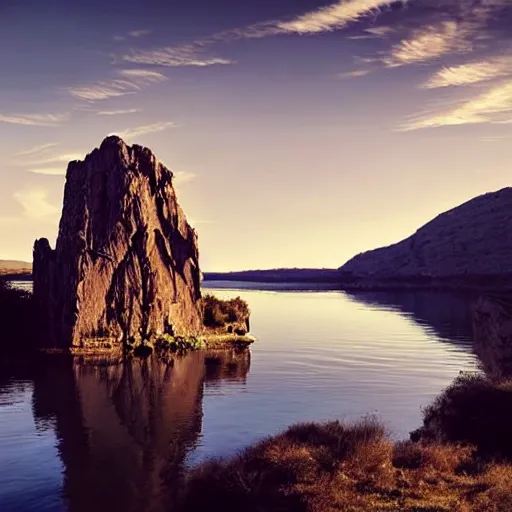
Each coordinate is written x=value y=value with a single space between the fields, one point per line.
x=126 y=259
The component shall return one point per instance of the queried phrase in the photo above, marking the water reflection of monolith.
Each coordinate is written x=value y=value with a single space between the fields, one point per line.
x=125 y=428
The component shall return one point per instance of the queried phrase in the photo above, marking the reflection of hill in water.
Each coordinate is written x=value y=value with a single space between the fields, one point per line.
x=126 y=428
x=448 y=316
x=493 y=334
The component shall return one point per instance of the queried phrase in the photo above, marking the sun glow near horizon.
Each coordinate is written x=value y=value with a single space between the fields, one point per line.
x=301 y=136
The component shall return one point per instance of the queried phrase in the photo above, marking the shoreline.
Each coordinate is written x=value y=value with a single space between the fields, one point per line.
x=491 y=283
x=212 y=342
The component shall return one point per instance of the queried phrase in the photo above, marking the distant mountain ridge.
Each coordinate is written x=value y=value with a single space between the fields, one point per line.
x=471 y=241
x=469 y=246
x=14 y=267
x=277 y=275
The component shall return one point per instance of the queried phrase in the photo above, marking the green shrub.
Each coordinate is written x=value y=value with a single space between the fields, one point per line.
x=218 y=313
x=473 y=410
x=166 y=342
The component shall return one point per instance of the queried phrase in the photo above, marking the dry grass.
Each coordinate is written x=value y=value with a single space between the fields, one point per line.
x=332 y=467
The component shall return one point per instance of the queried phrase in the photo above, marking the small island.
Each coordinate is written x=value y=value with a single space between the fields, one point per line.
x=124 y=275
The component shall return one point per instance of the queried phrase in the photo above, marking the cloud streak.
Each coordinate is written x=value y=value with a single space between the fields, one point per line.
x=471 y=73
x=49 y=171
x=332 y=17
x=103 y=90
x=428 y=43
x=139 y=33
x=186 y=55
x=132 y=80
x=34 y=119
x=492 y=106
x=324 y=19
x=118 y=112
x=181 y=177
x=355 y=74
x=133 y=34
x=42 y=148
x=54 y=159
x=144 y=130
x=35 y=203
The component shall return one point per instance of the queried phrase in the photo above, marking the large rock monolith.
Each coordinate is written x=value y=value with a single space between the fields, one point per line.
x=125 y=263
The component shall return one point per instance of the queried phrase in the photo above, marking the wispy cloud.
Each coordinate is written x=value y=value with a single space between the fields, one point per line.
x=132 y=80
x=36 y=150
x=471 y=73
x=186 y=55
x=492 y=106
x=143 y=76
x=133 y=34
x=50 y=171
x=139 y=33
x=181 y=177
x=104 y=90
x=355 y=74
x=35 y=203
x=118 y=112
x=53 y=159
x=428 y=43
x=374 y=33
x=380 y=31
x=324 y=19
x=34 y=119
x=332 y=17
x=455 y=27
x=144 y=130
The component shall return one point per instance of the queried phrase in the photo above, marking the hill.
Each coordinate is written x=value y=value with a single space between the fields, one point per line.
x=13 y=268
x=470 y=244
x=278 y=275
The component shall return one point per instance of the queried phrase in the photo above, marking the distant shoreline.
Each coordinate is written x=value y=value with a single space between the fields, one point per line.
x=16 y=277
x=333 y=279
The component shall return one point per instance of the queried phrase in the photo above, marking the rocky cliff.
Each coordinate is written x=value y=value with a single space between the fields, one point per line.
x=472 y=241
x=492 y=327
x=126 y=260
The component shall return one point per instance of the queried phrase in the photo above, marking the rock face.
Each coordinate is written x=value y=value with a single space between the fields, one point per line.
x=473 y=240
x=492 y=328
x=126 y=260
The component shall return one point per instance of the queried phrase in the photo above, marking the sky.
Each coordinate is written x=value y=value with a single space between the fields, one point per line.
x=300 y=132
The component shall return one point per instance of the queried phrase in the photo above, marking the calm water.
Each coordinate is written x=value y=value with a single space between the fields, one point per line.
x=84 y=435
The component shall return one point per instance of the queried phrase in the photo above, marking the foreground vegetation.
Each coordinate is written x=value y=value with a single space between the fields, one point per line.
x=230 y=316
x=459 y=461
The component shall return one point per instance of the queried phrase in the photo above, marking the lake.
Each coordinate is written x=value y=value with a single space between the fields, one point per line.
x=83 y=435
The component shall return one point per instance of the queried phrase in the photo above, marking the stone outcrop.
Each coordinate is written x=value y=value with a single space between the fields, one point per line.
x=470 y=242
x=126 y=260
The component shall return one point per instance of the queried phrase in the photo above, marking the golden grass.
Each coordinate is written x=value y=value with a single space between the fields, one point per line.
x=341 y=467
